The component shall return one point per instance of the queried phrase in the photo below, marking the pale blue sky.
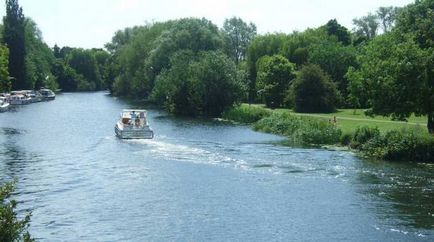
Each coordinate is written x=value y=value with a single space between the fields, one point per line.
x=92 y=23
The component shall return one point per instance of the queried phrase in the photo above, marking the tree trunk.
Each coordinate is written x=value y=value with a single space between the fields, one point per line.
x=430 y=123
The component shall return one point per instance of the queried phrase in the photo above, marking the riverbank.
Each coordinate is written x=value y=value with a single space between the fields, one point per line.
x=377 y=138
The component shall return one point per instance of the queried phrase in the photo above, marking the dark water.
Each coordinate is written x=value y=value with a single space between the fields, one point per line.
x=198 y=181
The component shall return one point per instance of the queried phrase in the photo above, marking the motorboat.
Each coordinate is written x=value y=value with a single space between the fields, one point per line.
x=133 y=124
x=47 y=94
x=34 y=96
x=17 y=98
x=4 y=105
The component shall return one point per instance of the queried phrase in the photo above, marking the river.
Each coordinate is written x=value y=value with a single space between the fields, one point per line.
x=198 y=180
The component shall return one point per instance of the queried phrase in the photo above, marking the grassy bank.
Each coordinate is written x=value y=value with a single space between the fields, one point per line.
x=376 y=137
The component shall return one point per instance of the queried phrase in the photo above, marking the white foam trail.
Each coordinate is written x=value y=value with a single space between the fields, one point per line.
x=187 y=153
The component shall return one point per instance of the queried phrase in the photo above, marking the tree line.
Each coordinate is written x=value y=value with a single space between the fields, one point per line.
x=192 y=67
x=27 y=62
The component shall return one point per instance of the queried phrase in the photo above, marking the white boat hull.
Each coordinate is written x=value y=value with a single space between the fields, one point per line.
x=4 y=107
x=133 y=133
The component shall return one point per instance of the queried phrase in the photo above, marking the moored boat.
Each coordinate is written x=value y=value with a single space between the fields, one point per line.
x=133 y=124
x=47 y=94
x=17 y=98
x=4 y=105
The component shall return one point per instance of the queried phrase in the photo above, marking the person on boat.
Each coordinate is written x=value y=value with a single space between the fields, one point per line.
x=133 y=115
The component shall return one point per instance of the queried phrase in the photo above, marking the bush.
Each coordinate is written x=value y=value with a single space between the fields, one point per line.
x=11 y=229
x=314 y=92
x=302 y=130
x=346 y=139
x=401 y=145
x=246 y=114
x=363 y=135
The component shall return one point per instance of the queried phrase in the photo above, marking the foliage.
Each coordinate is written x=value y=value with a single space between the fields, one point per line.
x=417 y=19
x=269 y=44
x=246 y=114
x=363 y=135
x=238 y=35
x=387 y=17
x=335 y=59
x=39 y=58
x=366 y=27
x=342 y=34
x=401 y=145
x=313 y=91
x=204 y=83
x=85 y=64
x=302 y=130
x=393 y=77
x=67 y=78
x=275 y=74
x=11 y=228
x=14 y=38
x=5 y=83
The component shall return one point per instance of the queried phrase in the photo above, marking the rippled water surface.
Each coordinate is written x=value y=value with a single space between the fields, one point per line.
x=198 y=181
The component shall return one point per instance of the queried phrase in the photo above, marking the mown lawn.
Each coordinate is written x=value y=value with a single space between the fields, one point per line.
x=349 y=119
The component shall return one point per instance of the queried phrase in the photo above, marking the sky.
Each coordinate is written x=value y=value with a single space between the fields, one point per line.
x=92 y=23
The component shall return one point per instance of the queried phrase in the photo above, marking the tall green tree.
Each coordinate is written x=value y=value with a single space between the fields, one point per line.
x=366 y=27
x=342 y=34
x=238 y=35
x=335 y=59
x=275 y=74
x=395 y=76
x=204 y=83
x=5 y=82
x=387 y=17
x=39 y=58
x=85 y=64
x=313 y=91
x=14 y=38
x=269 y=44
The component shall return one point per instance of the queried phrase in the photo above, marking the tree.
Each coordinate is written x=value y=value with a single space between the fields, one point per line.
x=39 y=58
x=366 y=27
x=270 y=44
x=342 y=34
x=85 y=64
x=335 y=59
x=238 y=35
x=5 y=82
x=14 y=38
x=417 y=19
x=275 y=73
x=313 y=91
x=395 y=76
x=67 y=78
x=387 y=16
x=11 y=228
x=204 y=83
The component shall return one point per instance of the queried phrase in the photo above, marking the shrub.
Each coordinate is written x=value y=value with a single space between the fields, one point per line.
x=314 y=92
x=11 y=229
x=401 y=145
x=363 y=135
x=302 y=130
x=246 y=114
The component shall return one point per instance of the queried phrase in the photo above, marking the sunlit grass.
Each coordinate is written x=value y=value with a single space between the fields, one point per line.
x=350 y=119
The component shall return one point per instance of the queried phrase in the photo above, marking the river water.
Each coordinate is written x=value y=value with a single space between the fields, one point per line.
x=198 y=181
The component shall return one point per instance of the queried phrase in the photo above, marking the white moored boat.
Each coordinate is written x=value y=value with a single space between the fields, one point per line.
x=4 y=105
x=133 y=124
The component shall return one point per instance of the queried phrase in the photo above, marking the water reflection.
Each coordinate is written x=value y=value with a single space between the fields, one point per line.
x=14 y=160
x=397 y=190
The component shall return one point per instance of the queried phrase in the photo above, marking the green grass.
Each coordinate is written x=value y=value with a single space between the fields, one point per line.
x=348 y=120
